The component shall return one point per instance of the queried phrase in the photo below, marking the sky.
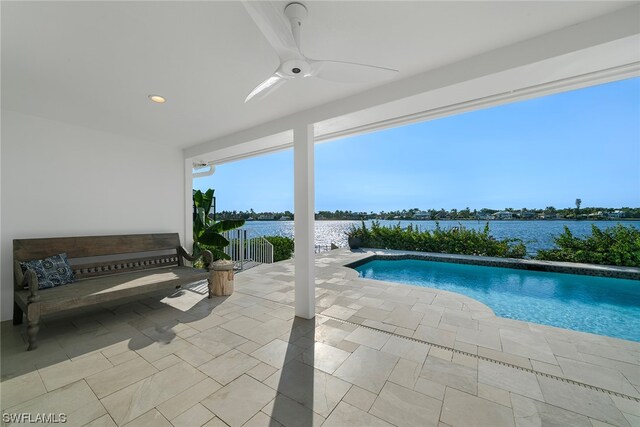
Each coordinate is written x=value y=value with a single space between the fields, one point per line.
x=542 y=152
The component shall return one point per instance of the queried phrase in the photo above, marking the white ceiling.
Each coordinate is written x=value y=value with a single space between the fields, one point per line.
x=94 y=63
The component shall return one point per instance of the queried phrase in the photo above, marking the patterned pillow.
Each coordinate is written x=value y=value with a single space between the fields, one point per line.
x=52 y=271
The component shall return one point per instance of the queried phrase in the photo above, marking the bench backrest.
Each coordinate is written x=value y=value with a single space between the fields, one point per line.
x=124 y=252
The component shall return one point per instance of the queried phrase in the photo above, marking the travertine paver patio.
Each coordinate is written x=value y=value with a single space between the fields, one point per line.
x=184 y=360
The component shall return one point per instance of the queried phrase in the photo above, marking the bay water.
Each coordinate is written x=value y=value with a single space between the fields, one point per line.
x=535 y=234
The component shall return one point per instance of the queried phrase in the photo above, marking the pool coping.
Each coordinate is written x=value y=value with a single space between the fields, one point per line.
x=630 y=273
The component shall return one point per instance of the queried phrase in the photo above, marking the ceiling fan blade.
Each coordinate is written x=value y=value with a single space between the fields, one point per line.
x=270 y=19
x=350 y=72
x=266 y=87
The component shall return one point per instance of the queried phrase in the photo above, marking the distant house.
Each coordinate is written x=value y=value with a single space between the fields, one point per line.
x=285 y=218
x=266 y=217
x=503 y=215
x=527 y=214
x=616 y=214
x=422 y=215
x=548 y=215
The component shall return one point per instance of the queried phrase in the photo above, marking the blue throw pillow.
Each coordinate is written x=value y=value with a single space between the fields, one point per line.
x=51 y=271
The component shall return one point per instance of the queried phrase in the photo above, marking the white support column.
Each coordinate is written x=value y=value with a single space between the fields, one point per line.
x=188 y=204
x=304 y=198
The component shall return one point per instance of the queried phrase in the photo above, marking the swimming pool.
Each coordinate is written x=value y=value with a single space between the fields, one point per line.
x=598 y=305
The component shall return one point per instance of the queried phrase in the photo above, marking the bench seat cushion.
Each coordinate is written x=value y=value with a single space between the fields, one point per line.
x=51 y=272
x=108 y=288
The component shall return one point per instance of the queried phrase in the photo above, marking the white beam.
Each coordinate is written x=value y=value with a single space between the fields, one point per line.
x=304 y=211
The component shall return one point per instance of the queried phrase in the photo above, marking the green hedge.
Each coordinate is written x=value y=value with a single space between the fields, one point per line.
x=618 y=245
x=282 y=247
x=452 y=240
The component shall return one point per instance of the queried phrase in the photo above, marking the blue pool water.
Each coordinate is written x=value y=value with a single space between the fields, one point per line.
x=584 y=303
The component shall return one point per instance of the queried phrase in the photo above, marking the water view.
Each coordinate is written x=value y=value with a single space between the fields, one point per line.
x=536 y=234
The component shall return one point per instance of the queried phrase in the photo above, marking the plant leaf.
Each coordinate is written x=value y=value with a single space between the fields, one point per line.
x=211 y=238
x=226 y=225
x=207 y=200
x=218 y=254
x=197 y=198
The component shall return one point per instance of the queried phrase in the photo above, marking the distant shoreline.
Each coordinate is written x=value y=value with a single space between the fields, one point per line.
x=548 y=214
x=456 y=220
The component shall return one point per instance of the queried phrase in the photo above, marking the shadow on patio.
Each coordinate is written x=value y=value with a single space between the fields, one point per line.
x=294 y=402
x=148 y=325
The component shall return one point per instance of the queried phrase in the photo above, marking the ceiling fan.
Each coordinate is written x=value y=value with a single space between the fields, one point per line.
x=282 y=31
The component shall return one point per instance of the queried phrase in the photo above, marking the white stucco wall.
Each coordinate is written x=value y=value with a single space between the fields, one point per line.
x=63 y=180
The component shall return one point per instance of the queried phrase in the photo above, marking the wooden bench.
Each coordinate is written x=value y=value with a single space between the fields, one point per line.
x=122 y=266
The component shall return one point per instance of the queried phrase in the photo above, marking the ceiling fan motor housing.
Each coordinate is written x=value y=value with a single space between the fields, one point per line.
x=296 y=12
x=295 y=68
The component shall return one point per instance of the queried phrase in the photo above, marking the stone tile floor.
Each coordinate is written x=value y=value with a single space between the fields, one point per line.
x=377 y=354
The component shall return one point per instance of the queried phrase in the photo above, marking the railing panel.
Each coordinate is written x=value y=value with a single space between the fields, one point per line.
x=242 y=249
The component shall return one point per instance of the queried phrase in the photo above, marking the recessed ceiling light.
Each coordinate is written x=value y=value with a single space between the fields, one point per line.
x=157 y=98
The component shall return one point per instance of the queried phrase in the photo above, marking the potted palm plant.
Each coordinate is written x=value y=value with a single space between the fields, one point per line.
x=355 y=236
x=207 y=235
